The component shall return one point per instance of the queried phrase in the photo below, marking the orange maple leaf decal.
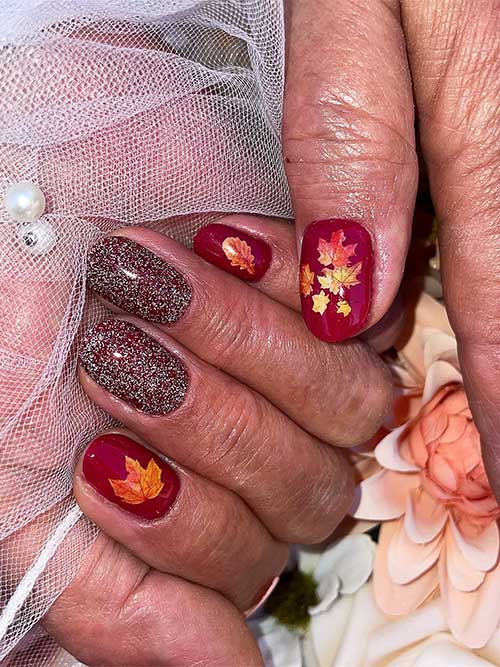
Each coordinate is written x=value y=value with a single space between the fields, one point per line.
x=239 y=253
x=335 y=252
x=337 y=280
x=306 y=279
x=140 y=484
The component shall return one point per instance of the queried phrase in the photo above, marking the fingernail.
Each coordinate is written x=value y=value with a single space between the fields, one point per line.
x=262 y=597
x=131 y=476
x=127 y=362
x=336 y=278
x=136 y=280
x=233 y=251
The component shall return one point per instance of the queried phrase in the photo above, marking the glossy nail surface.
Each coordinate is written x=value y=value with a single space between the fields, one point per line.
x=336 y=278
x=127 y=362
x=233 y=251
x=131 y=476
x=136 y=280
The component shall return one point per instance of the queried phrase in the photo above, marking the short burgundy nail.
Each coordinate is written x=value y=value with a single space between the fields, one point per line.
x=128 y=474
x=136 y=280
x=336 y=278
x=133 y=366
x=233 y=251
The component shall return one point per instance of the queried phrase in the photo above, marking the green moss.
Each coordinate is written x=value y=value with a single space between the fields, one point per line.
x=295 y=593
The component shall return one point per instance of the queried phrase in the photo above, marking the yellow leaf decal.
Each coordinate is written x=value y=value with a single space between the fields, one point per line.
x=343 y=308
x=343 y=277
x=334 y=251
x=320 y=302
x=140 y=484
x=306 y=280
x=239 y=254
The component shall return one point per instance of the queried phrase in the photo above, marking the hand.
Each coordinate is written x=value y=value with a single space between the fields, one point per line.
x=349 y=150
x=224 y=379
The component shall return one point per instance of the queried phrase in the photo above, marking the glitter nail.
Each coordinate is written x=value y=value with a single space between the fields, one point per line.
x=136 y=280
x=127 y=362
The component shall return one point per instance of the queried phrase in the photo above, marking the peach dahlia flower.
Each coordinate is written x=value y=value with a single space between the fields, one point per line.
x=440 y=532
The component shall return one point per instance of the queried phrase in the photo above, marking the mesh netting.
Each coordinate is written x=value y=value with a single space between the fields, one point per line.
x=159 y=112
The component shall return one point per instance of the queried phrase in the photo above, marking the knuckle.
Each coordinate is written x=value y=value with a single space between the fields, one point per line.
x=337 y=148
x=227 y=430
x=322 y=501
x=231 y=331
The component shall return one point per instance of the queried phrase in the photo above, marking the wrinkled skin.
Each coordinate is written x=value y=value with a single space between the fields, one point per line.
x=349 y=150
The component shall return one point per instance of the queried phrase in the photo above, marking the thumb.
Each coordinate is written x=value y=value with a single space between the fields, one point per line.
x=348 y=139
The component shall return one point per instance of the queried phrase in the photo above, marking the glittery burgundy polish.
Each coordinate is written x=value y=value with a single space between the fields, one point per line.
x=336 y=271
x=136 y=280
x=233 y=251
x=127 y=362
x=131 y=476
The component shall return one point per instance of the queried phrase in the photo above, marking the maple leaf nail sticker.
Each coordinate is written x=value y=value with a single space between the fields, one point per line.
x=320 y=302
x=131 y=476
x=140 y=484
x=234 y=251
x=336 y=288
x=306 y=280
x=344 y=308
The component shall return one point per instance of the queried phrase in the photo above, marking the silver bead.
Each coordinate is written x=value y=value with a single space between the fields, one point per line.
x=24 y=201
x=37 y=237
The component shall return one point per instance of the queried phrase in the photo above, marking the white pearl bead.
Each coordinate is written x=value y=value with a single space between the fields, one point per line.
x=37 y=237
x=24 y=201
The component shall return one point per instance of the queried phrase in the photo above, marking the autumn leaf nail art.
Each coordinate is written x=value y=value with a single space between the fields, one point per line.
x=131 y=476
x=140 y=483
x=239 y=253
x=335 y=278
x=234 y=251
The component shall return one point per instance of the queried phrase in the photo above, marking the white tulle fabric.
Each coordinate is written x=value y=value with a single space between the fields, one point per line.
x=158 y=112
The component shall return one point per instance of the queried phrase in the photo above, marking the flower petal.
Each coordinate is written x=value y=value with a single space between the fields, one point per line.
x=279 y=647
x=395 y=599
x=441 y=653
x=364 y=620
x=327 y=630
x=425 y=517
x=426 y=621
x=463 y=576
x=439 y=346
x=351 y=560
x=328 y=591
x=406 y=560
x=383 y=495
x=439 y=374
x=481 y=552
x=388 y=455
x=473 y=616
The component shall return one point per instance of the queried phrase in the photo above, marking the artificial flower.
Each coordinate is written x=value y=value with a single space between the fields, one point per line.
x=339 y=571
x=439 y=533
x=360 y=635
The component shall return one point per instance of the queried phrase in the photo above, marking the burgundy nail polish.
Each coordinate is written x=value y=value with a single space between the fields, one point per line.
x=131 y=476
x=136 y=280
x=233 y=251
x=336 y=278
x=133 y=366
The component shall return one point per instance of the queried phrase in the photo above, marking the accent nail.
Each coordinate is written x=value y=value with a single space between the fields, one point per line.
x=127 y=362
x=131 y=476
x=233 y=251
x=136 y=280
x=336 y=278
